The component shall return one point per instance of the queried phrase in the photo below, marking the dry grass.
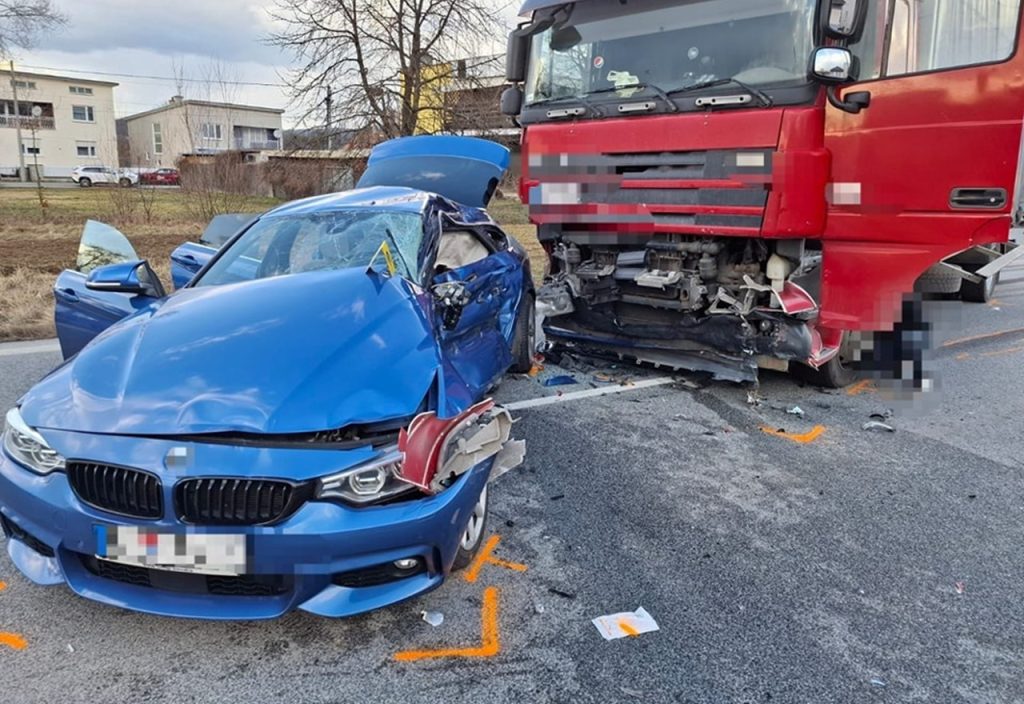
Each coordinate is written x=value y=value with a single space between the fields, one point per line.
x=35 y=247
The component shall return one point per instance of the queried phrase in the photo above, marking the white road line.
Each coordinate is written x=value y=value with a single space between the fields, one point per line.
x=10 y=349
x=589 y=393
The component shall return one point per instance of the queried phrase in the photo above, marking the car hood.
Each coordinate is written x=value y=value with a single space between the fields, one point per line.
x=291 y=354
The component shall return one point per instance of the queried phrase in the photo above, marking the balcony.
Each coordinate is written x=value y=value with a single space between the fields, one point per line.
x=28 y=123
x=252 y=145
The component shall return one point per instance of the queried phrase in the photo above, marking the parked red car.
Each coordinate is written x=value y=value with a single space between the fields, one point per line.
x=161 y=177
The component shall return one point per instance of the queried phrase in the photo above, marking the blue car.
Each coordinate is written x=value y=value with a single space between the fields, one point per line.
x=304 y=423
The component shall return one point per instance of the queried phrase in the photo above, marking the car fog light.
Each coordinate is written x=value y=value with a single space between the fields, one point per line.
x=407 y=563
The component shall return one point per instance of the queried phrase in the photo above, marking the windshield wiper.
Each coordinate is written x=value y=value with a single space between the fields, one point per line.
x=582 y=99
x=763 y=98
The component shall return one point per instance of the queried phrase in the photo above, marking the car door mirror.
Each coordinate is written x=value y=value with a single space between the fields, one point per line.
x=134 y=277
x=451 y=298
x=844 y=19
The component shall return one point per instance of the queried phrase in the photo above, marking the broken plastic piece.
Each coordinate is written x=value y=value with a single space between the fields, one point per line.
x=434 y=618
x=878 y=682
x=877 y=426
x=563 y=380
x=960 y=587
x=437 y=450
x=795 y=411
x=625 y=624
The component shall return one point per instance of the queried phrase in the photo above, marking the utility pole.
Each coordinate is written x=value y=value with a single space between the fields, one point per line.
x=330 y=140
x=17 y=125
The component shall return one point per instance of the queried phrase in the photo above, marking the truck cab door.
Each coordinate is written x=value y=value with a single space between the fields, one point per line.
x=928 y=168
x=80 y=313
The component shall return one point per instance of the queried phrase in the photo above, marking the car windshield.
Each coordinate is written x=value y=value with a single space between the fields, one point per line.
x=609 y=44
x=295 y=244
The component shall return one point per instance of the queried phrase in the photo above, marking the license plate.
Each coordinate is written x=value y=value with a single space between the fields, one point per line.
x=202 y=553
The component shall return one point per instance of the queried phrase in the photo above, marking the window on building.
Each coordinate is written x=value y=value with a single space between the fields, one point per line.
x=87 y=149
x=31 y=147
x=931 y=35
x=82 y=113
x=158 y=138
x=80 y=90
x=25 y=85
x=211 y=131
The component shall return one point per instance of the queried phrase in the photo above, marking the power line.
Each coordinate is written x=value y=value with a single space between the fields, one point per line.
x=156 y=78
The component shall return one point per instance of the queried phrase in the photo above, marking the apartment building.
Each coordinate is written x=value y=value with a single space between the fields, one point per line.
x=159 y=137
x=64 y=122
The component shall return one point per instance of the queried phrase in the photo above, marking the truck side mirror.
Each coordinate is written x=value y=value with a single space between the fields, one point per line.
x=512 y=101
x=515 y=56
x=833 y=65
x=844 y=19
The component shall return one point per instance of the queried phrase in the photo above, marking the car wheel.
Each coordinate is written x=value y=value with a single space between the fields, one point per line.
x=980 y=292
x=125 y=182
x=524 y=339
x=473 y=537
x=85 y=182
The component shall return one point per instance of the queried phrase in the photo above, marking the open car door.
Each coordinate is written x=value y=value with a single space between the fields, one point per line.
x=80 y=312
x=466 y=170
x=189 y=258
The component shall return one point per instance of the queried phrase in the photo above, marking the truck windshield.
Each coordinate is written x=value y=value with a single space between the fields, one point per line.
x=610 y=44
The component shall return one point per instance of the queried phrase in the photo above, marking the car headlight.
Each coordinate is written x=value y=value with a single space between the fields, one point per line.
x=369 y=483
x=27 y=447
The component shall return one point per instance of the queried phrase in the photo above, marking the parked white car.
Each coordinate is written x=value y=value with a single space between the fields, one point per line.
x=86 y=176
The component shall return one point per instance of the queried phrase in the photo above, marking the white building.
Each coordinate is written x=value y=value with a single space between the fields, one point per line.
x=65 y=122
x=159 y=137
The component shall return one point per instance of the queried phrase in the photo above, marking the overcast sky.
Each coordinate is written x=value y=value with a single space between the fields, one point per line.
x=151 y=38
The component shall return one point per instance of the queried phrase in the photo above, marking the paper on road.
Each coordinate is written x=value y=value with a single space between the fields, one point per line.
x=627 y=623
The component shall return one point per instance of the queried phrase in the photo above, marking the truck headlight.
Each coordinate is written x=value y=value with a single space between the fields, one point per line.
x=369 y=483
x=27 y=447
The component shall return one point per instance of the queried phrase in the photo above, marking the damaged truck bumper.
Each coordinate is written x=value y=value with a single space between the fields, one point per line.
x=326 y=557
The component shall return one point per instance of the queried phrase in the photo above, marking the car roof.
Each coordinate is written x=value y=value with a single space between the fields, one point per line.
x=408 y=200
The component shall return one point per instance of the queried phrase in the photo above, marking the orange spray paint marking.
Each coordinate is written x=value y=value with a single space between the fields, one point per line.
x=3 y=585
x=803 y=438
x=490 y=640
x=13 y=640
x=628 y=629
x=486 y=556
x=963 y=356
x=864 y=386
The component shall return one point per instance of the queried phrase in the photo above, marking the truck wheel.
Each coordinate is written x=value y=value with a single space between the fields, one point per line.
x=981 y=292
x=84 y=182
x=469 y=543
x=524 y=339
x=836 y=373
x=938 y=279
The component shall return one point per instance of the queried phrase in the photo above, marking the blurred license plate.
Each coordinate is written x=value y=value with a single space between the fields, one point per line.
x=203 y=553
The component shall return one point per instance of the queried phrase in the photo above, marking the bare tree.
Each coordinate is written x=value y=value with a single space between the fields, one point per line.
x=21 y=21
x=379 y=59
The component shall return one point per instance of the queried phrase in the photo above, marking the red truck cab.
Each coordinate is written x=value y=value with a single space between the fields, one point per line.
x=728 y=184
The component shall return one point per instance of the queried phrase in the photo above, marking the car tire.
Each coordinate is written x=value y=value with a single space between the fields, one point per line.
x=125 y=182
x=473 y=537
x=525 y=336
x=979 y=292
x=85 y=183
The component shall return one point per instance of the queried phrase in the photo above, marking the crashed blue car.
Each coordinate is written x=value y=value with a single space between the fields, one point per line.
x=303 y=424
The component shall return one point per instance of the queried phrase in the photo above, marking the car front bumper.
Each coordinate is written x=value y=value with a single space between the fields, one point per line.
x=52 y=536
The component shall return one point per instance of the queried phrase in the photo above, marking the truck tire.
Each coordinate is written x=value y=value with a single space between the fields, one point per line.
x=938 y=279
x=980 y=292
x=833 y=374
x=523 y=340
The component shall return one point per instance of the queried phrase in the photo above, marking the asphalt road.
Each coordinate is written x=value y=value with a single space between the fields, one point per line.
x=861 y=566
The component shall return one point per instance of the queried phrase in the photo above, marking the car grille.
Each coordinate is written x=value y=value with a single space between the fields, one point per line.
x=241 y=585
x=128 y=492
x=223 y=501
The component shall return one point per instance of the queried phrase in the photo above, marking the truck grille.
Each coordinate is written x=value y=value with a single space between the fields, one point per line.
x=694 y=192
x=230 y=501
x=120 y=490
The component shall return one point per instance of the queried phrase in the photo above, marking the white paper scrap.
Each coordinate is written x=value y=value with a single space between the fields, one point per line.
x=625 y=624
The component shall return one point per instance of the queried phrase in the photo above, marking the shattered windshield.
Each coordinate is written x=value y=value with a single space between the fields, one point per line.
x=612 y=44
x=294 y=244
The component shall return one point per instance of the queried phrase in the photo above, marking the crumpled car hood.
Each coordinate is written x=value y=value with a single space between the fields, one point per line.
x=290 y=354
